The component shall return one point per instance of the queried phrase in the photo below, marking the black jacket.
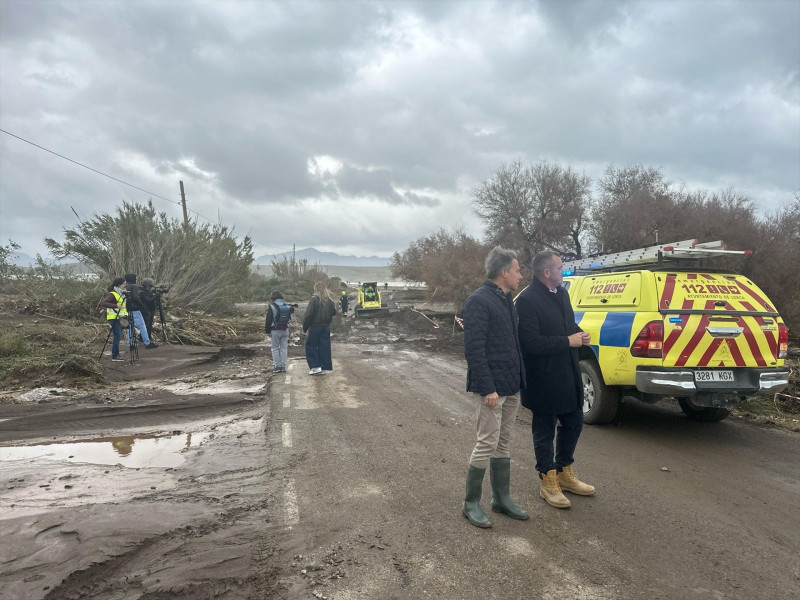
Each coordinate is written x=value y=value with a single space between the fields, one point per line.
x=551 y=366
x=491 y=345
x=135 y=294
x=318 y=313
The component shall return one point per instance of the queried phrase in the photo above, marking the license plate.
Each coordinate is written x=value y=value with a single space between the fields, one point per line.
x=713 y=376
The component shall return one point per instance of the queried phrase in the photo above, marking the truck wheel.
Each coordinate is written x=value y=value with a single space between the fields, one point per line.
x=709 y=414
x=600 y=402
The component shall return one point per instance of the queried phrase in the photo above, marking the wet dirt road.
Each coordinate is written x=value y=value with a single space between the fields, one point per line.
x=349 y=486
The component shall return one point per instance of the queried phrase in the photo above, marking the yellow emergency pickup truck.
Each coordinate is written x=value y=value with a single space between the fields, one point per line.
x=663 y=325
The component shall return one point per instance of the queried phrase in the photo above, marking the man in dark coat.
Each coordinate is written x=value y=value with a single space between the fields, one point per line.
x=550 y=339
x=135 y=310
x=494 y=376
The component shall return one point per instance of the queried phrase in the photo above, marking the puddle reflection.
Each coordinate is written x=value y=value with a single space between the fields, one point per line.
x=146 y=450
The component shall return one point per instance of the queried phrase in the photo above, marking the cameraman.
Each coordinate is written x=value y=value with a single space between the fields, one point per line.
x=135 y=310
x=149 y=297
x=277 y=327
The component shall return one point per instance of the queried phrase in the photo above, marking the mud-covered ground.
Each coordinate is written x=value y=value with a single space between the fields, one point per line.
x=200 y=474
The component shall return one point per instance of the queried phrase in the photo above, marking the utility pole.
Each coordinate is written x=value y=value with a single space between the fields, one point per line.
x=294 y=263
x=183 y=204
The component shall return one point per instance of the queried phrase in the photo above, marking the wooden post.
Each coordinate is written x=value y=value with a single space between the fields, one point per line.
x=183 y=204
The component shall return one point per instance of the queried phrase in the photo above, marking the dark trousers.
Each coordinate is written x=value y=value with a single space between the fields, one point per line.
x=566 y=438
x=116 y=331
x=318 y=348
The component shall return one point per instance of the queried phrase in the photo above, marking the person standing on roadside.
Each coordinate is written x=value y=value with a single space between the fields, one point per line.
x=277 y=327
x=494 y=376
x=147 y=296
x=317 y=323
x=135 y=310
x=344 y=301
x=550 y=340
x=114 y=304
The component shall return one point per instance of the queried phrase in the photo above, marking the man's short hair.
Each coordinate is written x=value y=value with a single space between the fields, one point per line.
x=498 y=260
x=276 y=295
x=542 y=261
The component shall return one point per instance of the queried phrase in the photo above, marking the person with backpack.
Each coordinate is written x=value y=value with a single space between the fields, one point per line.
x=317 y=322
x=277 y=326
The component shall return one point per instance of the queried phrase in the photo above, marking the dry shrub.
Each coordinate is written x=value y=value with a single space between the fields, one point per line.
x=204 y=265
x=450 y=264
x=81 y=367
x=199 y=329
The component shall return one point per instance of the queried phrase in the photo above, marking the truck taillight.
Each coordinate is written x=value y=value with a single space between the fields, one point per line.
x=649 y=341
x=783 y=340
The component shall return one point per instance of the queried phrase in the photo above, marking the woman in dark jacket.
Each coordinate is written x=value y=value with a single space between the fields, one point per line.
x=317 y=324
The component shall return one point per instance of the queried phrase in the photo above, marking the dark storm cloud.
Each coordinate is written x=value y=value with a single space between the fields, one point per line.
x=371 y=121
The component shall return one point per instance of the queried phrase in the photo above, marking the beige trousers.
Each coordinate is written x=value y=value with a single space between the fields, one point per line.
x=494 y=429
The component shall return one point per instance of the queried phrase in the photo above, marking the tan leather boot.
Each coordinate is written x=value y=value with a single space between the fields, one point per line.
x=551 y=492
x=569 y=482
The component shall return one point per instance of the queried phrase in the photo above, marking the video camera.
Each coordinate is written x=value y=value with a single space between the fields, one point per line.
x=161 y=289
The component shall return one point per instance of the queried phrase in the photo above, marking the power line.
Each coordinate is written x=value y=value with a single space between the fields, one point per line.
x=114 y=178
x=90 y=168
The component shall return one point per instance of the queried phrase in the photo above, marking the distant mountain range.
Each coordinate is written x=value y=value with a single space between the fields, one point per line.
x=315 y=257
x=21 y=259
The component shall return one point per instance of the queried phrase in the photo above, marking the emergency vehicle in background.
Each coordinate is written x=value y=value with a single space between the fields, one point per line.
x=370 y=303
x=664 y=325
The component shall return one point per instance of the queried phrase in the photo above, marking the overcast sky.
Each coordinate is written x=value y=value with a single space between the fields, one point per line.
x=357 y=127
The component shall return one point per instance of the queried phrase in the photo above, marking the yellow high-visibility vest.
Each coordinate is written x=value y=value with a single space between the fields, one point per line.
x=113 y=313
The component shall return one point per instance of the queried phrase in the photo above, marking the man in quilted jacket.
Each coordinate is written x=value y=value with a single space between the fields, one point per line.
x=494 y=376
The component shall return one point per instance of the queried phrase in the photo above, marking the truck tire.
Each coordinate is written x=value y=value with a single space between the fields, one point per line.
x=709 y=414
x=600 y=402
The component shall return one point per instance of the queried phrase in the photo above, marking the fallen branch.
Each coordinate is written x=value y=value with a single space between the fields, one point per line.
x=435 y=324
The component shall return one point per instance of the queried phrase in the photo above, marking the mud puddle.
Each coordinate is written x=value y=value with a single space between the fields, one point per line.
x=134 y=451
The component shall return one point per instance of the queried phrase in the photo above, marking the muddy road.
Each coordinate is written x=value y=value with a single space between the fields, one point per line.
x=198 y=474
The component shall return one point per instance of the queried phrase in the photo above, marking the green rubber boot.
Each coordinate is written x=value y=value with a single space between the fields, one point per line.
x=472 y=510
x=501 y=497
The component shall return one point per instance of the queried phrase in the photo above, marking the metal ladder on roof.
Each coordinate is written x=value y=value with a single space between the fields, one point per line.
x=691 y=249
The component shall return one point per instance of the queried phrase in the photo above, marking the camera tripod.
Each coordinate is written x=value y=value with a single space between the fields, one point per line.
x=161 y=318
x=133 y=347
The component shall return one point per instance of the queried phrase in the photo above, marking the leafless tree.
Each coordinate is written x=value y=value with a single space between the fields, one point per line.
x=533 y=208
x=635 y=206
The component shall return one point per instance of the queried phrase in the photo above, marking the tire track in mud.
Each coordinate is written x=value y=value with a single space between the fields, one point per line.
x=88 y=418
